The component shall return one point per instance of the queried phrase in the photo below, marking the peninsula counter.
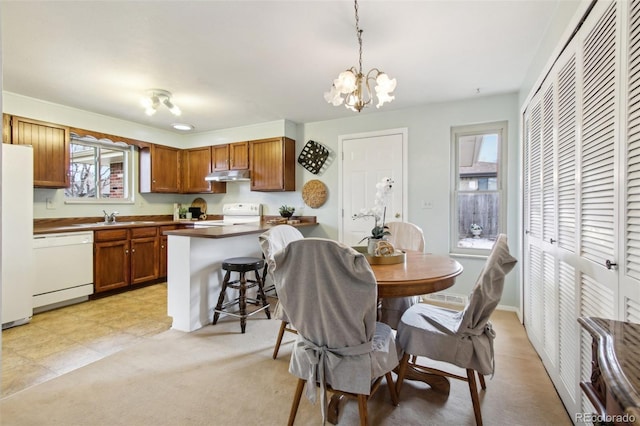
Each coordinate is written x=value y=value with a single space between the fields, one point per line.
x=194 y=265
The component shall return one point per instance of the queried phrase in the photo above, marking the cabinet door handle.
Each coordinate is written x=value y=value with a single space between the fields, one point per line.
x=126 y=251
x=610 y=265
x=133 y=250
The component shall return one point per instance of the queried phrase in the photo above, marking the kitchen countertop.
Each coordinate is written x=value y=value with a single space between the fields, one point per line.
x=230 y=230
x=58 y=225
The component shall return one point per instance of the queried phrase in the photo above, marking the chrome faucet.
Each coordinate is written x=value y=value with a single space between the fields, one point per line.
x=110 y=218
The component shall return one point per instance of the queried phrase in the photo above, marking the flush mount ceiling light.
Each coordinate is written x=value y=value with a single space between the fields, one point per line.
x=154 y=98
x=182 y=126
x=353 y=88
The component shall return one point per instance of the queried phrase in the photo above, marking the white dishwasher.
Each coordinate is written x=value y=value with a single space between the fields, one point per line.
x=63 y=268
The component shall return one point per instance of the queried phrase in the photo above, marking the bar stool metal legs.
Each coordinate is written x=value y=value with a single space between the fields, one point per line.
x=242 y=265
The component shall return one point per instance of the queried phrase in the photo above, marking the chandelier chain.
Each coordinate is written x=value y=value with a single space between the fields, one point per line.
x=359 y=35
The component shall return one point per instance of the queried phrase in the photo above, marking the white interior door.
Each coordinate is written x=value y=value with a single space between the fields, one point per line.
x=367 y=158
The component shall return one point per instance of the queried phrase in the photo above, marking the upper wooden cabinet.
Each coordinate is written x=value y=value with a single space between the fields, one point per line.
x=196 y=165
x=220 y=157
x=233 y=156
x=273 y=164
x=50 y=150
x=6 y=128
x=159 y=169
x=239 y=156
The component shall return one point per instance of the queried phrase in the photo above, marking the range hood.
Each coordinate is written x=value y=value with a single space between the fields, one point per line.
x=228 y=176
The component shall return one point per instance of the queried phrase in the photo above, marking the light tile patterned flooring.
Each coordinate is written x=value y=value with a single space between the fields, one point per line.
x=58 y=341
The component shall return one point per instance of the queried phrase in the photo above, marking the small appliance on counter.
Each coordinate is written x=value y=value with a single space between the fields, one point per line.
x=234 y=214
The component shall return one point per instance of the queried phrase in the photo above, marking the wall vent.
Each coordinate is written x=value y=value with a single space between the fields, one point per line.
x=453 y=298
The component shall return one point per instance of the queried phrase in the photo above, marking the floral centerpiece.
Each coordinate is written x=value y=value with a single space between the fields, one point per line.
x=378 y=213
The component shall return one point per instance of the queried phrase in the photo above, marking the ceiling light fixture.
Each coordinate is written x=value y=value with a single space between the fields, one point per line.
x=352 y=83
x=153 y=100
x=182 y=126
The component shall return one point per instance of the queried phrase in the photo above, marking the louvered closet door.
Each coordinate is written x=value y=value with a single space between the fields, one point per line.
x=550 y=181
x=533 y=272
x=571 y=218
x=599 y=197
x=629 y=300
x=542 y=288
x=567 y=370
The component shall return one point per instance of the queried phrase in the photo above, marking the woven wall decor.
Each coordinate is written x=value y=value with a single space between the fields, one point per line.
x=314 y=193
x=313 y=156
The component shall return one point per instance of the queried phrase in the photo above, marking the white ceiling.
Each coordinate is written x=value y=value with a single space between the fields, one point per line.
x=236 y=63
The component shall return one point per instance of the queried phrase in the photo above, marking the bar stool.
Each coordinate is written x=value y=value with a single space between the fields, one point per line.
x=242 y=265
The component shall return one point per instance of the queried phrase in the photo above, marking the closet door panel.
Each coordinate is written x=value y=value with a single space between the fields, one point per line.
x=629 y=300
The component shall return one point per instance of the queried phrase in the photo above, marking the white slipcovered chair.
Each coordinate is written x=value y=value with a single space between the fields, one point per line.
x=272 y=241
x=330 y=294
x=404 y=236
x=463 y=338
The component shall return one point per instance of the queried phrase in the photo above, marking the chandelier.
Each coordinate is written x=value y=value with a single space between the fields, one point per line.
x=154 y=98
x=354 y=88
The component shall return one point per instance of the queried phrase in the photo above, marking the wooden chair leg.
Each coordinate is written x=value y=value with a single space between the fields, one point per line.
x=283 y=326
x=392 y=389
x=362 y=409
x=296 y=401
x=473 y=389
x=402 y=370
x=481 y=379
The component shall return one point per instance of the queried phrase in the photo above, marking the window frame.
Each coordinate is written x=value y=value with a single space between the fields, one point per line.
x=128 y=169
x=497 y=127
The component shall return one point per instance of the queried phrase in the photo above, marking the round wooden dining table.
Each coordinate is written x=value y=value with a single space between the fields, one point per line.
x=419 y=274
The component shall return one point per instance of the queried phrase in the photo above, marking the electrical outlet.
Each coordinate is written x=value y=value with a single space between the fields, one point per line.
x=50 y=204
x=426 y=204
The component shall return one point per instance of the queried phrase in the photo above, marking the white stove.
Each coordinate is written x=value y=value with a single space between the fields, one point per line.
x=234 y=214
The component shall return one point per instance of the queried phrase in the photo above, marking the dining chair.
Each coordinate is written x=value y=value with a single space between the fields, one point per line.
x=271 y=241
x=329 y=293
x=462 y=338
x=404 y=236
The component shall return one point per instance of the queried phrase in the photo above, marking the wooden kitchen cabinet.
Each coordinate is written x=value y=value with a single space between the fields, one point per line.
x=196 y=164
x=159 y=169
x=6 y=128
x=111 y=259
x=123 y=257
x=163 y=253
x=233 y=156
x=144 y=254
x=239 y=156
x=50 y=150
x=273 y=164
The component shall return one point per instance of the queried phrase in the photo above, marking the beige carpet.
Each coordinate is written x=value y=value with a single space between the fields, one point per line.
x=217 y=376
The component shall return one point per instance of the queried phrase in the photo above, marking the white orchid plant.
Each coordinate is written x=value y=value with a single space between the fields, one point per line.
x=379 y=210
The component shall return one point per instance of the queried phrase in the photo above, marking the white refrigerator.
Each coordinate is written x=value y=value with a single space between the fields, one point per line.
x=16 y=230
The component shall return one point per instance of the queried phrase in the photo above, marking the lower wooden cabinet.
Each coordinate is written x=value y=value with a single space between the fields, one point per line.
x=124 y=257
x=164 y=245
x=110 y=259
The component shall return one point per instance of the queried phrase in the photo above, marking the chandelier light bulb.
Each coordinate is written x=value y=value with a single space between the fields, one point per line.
x=353 y=88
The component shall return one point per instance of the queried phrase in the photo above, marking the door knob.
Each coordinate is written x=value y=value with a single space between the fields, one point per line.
x=610 y=264
x=551 y=240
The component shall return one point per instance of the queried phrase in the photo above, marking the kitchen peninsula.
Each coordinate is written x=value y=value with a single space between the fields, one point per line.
x=194 y=267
